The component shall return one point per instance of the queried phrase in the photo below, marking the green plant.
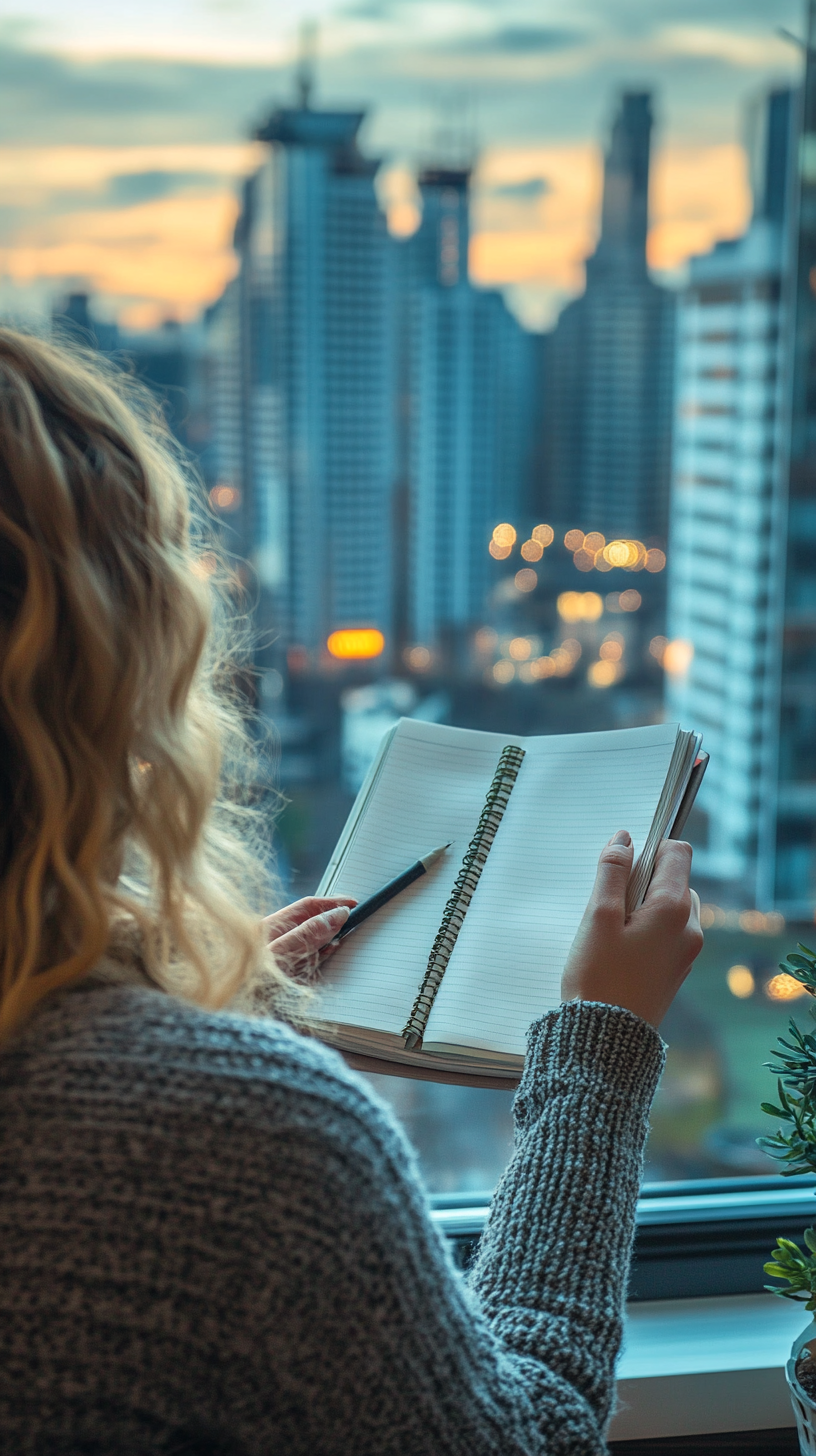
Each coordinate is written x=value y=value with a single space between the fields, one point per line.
x=795 y=1146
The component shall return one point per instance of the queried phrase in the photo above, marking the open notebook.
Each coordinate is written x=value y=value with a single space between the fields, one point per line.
x=472 y=952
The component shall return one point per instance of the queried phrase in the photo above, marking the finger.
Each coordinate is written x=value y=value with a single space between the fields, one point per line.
x=694 y=914
x=300 y=911
x=614 y=869
x=670 y=880
x=310 y=937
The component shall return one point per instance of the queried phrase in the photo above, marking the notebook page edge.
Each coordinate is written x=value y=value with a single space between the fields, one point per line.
x=356 y=813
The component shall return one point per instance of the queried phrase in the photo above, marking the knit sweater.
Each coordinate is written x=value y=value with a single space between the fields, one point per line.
x=214 y=1241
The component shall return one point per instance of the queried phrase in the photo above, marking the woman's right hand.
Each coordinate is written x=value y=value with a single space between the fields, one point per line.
x=639 y=963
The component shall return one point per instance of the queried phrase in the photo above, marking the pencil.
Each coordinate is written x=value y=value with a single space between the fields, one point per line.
x=394 y=887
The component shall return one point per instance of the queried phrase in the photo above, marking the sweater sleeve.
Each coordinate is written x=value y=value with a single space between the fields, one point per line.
x=552 y=1266
x=388 y=1348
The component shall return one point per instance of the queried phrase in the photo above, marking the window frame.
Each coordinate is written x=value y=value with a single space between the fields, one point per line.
x=693 y=1239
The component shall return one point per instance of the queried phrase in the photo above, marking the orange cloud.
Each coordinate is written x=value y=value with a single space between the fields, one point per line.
x=174 y=251
x=699 y=194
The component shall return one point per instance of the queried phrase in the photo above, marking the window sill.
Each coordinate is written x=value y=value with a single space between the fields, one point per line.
x=698 y=1366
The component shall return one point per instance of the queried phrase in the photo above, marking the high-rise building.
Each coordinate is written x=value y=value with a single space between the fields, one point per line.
x=468 y=370
x=792 y=808
x=727 y=489
x=609 y=364
x=303 y=365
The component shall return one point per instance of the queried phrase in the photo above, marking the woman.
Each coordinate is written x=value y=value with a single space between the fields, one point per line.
x=212 y=1236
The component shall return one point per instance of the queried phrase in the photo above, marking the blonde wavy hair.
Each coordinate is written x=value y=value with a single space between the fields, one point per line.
x=117 y=721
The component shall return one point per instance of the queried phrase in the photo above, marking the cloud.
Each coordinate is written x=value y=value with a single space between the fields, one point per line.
x=528 y=191
x=131 y=187
x=519 y=40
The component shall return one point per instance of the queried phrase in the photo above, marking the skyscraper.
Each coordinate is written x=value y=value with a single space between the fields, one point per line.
x=308 y=329
x=467 y=382
x=792 y=809
x=727 y=490
x=609 y=361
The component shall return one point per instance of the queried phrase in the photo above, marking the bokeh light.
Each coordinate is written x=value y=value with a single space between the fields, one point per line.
x=205 y=566
x=783 y=987
x=542 y=667
x=418 y=658
x=224 y=497
x=584 y=560
x=520 y=649
x=678 y=657
x=594 y=541
x=579 y=606
x=485 y=640
x=630 y=600
x=504 y=534
x=655 y=560
x=526 y=579
x=544 y=535
x=504 y=671
x=740 y=982
x=532 y=550
x=499 y=553
x=610 y=651
x=658 y=646
x=574 y=540
x=602 y=674
x=356 y=643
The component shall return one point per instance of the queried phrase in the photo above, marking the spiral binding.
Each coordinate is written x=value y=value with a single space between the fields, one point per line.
x=463 y=891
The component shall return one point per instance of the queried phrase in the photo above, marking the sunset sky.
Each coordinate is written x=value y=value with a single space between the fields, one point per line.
x=124 y=129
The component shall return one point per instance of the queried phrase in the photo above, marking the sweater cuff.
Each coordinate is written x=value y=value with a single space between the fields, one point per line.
x=589 y=1043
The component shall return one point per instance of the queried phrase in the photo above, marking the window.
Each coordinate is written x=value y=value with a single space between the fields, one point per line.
x=384 y=331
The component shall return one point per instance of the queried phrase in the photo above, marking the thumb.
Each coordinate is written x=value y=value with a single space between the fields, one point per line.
x=301 y=944
x=614 y=869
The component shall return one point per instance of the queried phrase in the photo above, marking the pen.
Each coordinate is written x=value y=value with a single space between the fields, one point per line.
x=394 y=887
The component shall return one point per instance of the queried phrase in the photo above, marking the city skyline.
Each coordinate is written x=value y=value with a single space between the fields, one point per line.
x=123 y=150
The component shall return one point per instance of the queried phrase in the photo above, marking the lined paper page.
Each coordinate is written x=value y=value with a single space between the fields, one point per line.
x=431 y=789
x=571 y=794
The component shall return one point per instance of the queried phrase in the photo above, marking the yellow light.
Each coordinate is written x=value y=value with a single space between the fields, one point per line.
x=602 y=674
x=544 y=535
x=594 y=541
x=526 y=579
x=504 y=672
x=601 y=564
x=617 y=553
x=655 y=560
x=593 y=606
x=784 y=988
x=610 y=651
x=519 y=649
x=526 y=673
x=225 y=497
x=573 y=647
x=574 y=540
x=562 y=662
x=570 y=606
x=678 y=657
x=629 y=600
x=542 y=667
x=579 y=606
x=204 y=566
x=485 y=640
x=584 y=560
x=499 y=553
x=532 y=550
x=740 y=982
x=419 y=657
x=356 y=642
x=504 y=534
x=658 y=646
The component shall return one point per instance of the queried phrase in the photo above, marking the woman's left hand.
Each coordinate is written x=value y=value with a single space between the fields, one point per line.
x=302 y=933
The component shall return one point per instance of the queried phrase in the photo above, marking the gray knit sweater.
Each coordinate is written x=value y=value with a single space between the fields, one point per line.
x=213 y=1239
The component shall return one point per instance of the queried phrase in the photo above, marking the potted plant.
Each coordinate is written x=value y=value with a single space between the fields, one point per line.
x=794 y=1145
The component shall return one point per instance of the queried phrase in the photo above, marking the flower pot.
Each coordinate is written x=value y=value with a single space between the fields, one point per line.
x=804 y=1400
